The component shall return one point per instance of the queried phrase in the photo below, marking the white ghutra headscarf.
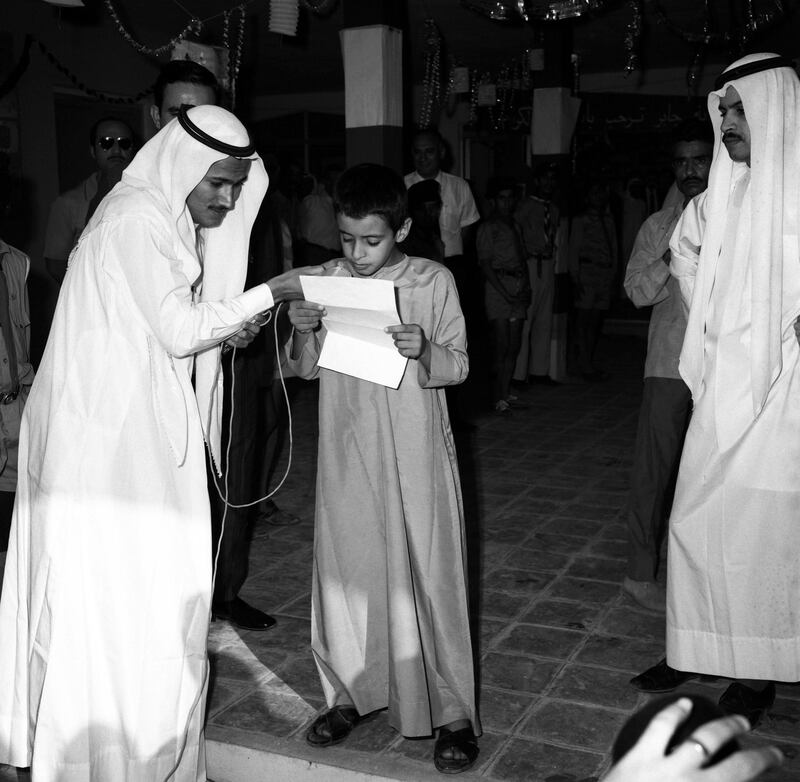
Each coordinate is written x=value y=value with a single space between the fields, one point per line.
x=166 y=170
x=770 y=93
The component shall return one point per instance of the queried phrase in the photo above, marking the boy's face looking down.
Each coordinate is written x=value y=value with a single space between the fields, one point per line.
x=369 y=243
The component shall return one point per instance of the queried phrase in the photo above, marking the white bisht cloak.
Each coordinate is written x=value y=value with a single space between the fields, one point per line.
x=105 y=605
x=734 y=546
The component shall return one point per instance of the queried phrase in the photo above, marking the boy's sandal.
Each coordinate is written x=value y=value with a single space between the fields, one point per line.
x=338 y=722
x=462 y=740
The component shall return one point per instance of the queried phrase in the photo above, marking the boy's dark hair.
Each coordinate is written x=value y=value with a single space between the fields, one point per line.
x=692 y=130
x=497 y=184
x=108 y=118
x=370 y=189
x=187 y=71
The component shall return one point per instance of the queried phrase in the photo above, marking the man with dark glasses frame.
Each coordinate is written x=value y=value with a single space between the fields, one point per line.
x=111 y=144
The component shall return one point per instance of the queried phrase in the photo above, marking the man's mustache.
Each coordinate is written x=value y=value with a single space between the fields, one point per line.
x=731 y=137
x=692 y=180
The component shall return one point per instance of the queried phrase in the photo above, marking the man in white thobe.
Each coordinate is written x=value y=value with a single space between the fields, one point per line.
x=106 y=600
x=734 y=550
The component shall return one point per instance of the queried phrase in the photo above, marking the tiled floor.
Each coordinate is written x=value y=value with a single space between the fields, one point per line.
x=557 y=640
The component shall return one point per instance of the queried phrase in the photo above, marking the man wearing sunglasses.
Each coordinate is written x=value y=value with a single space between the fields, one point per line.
x=111 y=145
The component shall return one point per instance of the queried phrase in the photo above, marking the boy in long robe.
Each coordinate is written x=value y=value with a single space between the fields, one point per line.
x=390 y=627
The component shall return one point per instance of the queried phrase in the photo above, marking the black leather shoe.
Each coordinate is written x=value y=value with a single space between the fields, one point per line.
x=239 y=613
x=661 y=678
x=750 y=703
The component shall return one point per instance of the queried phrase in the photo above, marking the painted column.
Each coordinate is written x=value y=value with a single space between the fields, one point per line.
x=372 y=51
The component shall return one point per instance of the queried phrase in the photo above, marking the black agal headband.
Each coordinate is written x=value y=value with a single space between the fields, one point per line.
x=203 y=137
x=750 y=68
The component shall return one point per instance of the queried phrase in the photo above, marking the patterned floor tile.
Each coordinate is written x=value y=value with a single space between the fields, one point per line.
x=516 y=673
x=598 y=686
x=522 y=760
x=573 y=724
x=549 y=642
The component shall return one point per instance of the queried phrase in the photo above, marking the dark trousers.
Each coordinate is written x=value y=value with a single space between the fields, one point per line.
x=469 y=285
x=663 y=419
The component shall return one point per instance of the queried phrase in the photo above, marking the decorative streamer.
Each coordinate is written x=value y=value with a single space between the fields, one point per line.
x=194 y=26
x=320 y=7
x=22 y=65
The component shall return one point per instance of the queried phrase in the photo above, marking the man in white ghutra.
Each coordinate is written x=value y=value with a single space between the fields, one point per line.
x=106 y=599
x=734 y=548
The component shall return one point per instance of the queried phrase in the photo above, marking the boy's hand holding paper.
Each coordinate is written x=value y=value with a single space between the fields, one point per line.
x=410 y=340
x=356 y=313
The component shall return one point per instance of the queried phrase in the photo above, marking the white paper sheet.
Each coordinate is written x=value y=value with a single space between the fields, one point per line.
x=357 y=311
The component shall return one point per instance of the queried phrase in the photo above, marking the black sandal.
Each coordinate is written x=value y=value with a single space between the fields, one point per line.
x=464 y=741
x=338 y=722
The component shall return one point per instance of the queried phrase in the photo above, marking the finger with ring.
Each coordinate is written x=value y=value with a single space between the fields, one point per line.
x=700 y=747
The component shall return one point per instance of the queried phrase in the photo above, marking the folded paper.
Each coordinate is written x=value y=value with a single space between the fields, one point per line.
x=357 y=311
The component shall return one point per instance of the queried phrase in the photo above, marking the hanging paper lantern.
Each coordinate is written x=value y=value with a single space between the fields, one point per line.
x=283 y=16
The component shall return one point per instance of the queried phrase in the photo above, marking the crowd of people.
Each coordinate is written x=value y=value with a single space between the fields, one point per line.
x=134 y=464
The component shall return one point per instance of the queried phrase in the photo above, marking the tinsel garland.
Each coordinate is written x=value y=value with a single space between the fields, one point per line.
x=194 y=26
x=18 y=71
x=475 y=82
x=234 y=54
x=432 y=81
x=695 y=69
x=633 y=37
x=753 y=24
x=527 y=10
x=496 y=10
x=22 y=65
